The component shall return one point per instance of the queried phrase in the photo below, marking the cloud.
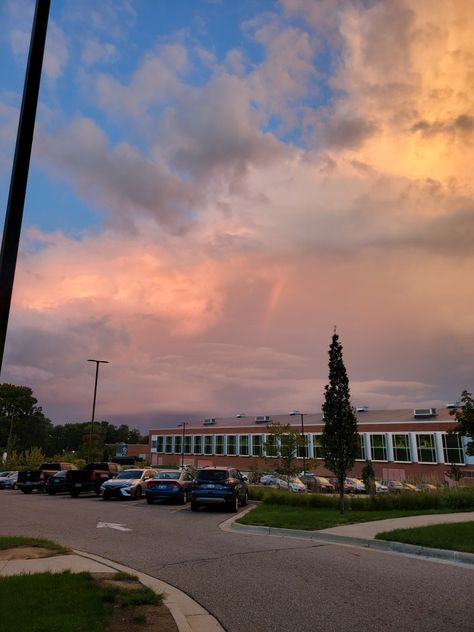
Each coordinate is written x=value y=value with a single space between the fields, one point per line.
x=94 y=51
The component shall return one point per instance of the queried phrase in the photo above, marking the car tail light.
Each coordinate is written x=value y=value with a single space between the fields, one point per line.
x=174 y=484
x=150 y=484
x=41 y=476
x=93 y=476
x=230 y=482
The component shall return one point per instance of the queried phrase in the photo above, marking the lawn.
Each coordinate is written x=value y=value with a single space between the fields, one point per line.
x=10 y=542
x=314 y=518
x=457 y=536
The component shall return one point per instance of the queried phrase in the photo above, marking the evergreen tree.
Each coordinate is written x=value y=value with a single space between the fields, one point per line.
x=465 y=420
x=340 y=436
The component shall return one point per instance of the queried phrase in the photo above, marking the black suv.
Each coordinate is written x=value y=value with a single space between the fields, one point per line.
x=219 y=485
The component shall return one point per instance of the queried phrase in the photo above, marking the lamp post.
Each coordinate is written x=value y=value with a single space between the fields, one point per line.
x=183 y=425
x=294 y=413
x=97 y=362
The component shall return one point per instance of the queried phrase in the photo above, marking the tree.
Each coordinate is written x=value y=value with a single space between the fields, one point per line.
x=340 y=437
x=465 y=420
x=282 y=444
x=22 y=422
x=368 y=476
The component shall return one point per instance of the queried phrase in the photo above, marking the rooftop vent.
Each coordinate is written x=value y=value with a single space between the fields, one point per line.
x=262 y=419
x=209 y=422
x=424 y=413
x=453 y=404
x=240 y=415
x=363 y=408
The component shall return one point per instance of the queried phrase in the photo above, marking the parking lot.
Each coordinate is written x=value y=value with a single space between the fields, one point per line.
x=251 y=582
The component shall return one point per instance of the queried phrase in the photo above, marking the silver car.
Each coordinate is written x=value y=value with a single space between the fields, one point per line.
x=127 y=484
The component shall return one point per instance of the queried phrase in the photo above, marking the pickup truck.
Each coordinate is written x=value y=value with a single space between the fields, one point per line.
x=35 y=479
x=90 y=478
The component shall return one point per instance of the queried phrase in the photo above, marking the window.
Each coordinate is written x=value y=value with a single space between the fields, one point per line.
x=378 y=447
x=153 y=444
x=401 y=448
x=169 y=445
x=257 y=445
x=452 y=449
x=219 y=444
x=360 y=450
x=197 y=444
x=231 y=445
x=426 y=448
x=270 y=445
x=178 y=442
x=244 y=445
x=317 y=446
x=302 y=450
x=160 y=444
x=187 y=444
x=207 y=444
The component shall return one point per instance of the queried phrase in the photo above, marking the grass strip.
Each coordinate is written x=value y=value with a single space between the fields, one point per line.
x=11 y=542
x=51 y=602
x=315 y=518
x=458 y=536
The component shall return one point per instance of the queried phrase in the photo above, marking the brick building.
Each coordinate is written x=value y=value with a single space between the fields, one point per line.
x=402 y=444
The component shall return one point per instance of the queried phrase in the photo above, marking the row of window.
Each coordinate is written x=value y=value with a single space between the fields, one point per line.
x=402 y=448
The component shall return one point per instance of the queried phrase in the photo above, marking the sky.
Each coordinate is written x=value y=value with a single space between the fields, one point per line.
x=215 y=185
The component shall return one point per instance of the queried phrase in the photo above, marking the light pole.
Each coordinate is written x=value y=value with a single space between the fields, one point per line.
x=294 y=413
x=97 y=362
x=183 y=425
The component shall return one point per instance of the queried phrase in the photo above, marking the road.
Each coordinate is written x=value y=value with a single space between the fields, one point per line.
x=254 y=583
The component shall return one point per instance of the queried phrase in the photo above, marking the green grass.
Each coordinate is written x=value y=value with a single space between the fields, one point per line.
x=10 y=542
x=457 y=536
x=64 y=602
x=314 y=518
x=51 y=602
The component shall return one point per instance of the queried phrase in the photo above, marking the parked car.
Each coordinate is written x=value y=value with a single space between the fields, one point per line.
x=56 y=483
x=394 y=486
x=295 y=484
x=355 y=486
x=91 y=478
x=169 y=485
x=127 y=484
x=268 y=479
x=8 y=480
x=380 y=488
x=427 y=487
x=35 y=479
x=219 y=485
x=410 y=487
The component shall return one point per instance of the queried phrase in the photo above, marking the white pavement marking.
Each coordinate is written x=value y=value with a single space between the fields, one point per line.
x=113 y=525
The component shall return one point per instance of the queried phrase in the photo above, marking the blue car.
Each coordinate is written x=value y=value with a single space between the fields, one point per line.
x=169 y=485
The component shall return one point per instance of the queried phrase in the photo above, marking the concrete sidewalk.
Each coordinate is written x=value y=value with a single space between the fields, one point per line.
x=188 y=615
x=363 y=535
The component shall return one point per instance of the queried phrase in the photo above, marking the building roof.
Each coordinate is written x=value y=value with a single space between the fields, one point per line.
x=310 y=419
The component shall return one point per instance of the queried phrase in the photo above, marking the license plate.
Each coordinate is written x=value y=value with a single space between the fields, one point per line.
x=210 y=486
x=77 y=484
x=162 y=486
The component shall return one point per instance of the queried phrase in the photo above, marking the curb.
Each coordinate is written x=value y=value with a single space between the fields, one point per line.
x=446 y=555
x=189 y=616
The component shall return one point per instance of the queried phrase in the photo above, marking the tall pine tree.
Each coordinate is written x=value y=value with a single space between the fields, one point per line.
x=340 y=437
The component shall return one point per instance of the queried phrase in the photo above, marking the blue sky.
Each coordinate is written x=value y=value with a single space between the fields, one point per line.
x=215 y=184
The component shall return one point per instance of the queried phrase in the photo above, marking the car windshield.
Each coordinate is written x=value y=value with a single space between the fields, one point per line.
x=130 y=474
x=212 y=475
x=168 y=475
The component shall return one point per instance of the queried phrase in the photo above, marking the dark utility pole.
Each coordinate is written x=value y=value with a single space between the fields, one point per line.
x=21 y=164
x=97 y=362
x=303 y=436
x=184 y=424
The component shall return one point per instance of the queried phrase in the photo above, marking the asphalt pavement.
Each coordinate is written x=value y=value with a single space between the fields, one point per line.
x=255 y=583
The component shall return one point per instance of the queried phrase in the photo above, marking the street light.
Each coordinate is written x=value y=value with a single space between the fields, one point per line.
x=97 y=362
x=295 y=413
x=183 y=425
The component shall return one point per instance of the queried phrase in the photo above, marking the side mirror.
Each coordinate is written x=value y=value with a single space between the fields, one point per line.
x=245 y=478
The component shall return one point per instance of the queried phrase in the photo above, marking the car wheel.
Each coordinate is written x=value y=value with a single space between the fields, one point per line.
x=74 y=494
x=245 y=501
x=194 y=506
x=14 y=486
x=149 y=500
x=183 y=499
x=105 y=496
x=51 y=493
x=138 y=493
x=234 y=504
x=26 y=491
